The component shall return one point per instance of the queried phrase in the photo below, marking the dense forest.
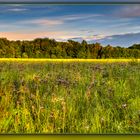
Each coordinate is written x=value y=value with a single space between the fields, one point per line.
x=50 y=48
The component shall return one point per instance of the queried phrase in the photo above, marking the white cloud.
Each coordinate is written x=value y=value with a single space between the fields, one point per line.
x=79 y=16
x=49 y=22
x=17 y=9
x=128 y=11
x=53 y=21
x=59 y=20
x=94 y=37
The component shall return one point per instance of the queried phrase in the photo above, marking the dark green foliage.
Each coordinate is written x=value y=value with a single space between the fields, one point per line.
x=49 y=48
x=135 y=46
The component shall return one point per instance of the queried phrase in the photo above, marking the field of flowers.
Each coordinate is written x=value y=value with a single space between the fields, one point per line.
x=69 y=96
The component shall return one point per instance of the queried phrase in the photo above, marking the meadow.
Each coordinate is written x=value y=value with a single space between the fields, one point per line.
x=69 y=96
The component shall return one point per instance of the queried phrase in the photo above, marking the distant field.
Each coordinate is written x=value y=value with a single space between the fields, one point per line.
x=67 y=60
x=78 y=96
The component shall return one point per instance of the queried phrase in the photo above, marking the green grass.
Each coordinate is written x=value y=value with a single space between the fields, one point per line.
x=74 y=97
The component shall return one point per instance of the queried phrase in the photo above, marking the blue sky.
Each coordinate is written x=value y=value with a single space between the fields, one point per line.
x=107 y=24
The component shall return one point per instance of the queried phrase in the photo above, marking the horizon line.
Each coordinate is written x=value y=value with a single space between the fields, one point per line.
x=57 y=40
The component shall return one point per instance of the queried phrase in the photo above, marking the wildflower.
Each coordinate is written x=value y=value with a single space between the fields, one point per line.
x=78 y=77
x=42 y=109
x=63 y=104
x=87 y=127
x=54 y=99
x=32 y=96
x=63 y=82
x=124 y=105
x=22 y=82
x=36 y=78
x=102 y=119
x=33 y=108
x=18 y=103
x=88 y=94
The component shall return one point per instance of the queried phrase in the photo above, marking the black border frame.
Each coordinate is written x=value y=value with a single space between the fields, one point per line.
x=53 y=136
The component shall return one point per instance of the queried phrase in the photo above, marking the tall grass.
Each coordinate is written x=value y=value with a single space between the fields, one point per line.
x=74 y=97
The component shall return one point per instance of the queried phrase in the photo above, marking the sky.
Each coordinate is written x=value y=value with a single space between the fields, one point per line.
x=117 y=25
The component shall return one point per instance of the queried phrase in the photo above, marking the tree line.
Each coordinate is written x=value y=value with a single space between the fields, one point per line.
x=50 y=48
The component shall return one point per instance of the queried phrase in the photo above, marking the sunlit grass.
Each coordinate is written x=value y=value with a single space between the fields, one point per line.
x=43 y=96
x=67 y=60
